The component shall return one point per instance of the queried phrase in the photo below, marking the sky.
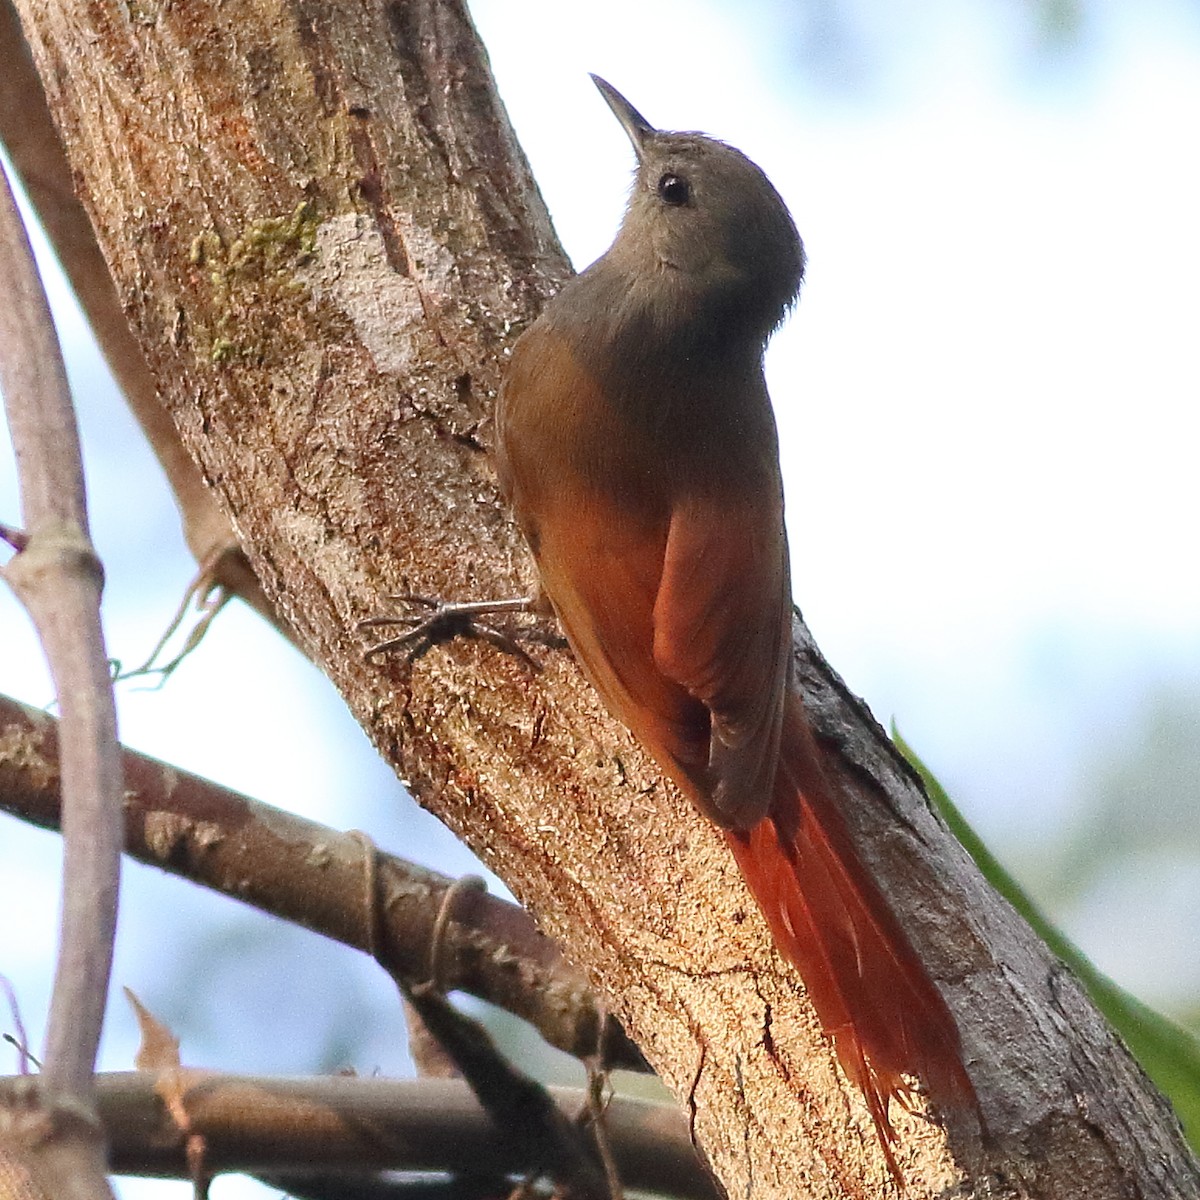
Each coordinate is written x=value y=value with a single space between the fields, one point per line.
x=988 y=408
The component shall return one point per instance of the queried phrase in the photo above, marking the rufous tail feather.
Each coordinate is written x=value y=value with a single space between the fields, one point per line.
x=871 y=992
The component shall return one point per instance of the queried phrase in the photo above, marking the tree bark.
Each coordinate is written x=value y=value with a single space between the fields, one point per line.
x=28 y=133
x=326 y=238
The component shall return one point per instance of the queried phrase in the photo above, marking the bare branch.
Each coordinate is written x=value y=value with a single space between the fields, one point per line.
x=551 y=1141
x=314 y=876
x=58 y=578
x=341 y=1123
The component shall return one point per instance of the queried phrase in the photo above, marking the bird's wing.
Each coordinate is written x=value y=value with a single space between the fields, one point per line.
x=684 y=630
x=601 y=569
x=722 y=629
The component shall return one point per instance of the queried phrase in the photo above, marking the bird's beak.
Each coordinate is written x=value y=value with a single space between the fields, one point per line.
x=631 y=120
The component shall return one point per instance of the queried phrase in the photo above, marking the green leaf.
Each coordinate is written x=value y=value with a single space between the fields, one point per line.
x=1168 y=1054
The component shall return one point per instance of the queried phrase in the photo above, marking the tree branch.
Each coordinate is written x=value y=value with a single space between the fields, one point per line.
x=314 y=876
x=265 y=1125
x=58 y=578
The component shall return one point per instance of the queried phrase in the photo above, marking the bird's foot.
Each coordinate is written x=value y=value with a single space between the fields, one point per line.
x=438 y=621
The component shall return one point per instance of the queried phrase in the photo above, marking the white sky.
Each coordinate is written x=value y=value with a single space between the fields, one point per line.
x=988 y=402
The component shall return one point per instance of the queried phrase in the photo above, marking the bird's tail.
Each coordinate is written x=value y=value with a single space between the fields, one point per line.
x=871 y=992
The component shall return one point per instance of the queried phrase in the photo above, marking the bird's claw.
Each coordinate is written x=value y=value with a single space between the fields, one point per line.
x=442 y=621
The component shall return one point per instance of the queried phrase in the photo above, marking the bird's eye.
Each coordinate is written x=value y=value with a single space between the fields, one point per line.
x=673 y=189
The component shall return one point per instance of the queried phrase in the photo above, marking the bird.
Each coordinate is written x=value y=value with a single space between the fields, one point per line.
x=637 y=447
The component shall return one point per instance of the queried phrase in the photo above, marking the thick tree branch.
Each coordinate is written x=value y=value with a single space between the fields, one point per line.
x=58 y=578
x=326 y=237
x=314 y=876
x=28 y=134
x=265 y=1124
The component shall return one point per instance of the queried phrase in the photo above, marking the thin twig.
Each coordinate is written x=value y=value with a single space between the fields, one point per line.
x=20 y=1039
x=209 y=598
x=59 y=579
x=597 y=1112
